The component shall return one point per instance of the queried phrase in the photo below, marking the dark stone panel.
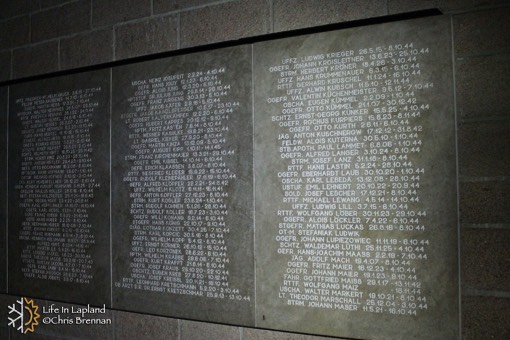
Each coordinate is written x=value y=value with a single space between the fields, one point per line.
x=19 y=32
x=147 y=37
x=294 y=14
x=191 y=330
x=228 y=21
x=261 y=334
x=86 y=49
x=320 y=127
x=53 y=3
x=145 y=327
x=485 y=317
x=5 y=301
x=35 y=60
x=58 y=240
x=182 y=191
x=479 y=33
x=60 y=21
x=3 y=188
x=163 y=6
x=485 y=202
x=484 y=259
x=15 y=8
x=111 y=12
x=5 y=65
x=35 y=336
x=482 y=86
x=484 y=148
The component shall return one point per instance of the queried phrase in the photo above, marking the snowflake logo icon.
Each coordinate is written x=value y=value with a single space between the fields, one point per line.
x=24 y=309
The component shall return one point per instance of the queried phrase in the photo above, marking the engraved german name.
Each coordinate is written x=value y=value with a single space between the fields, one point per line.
x=182 y=187
x=58 y=188
x=355 y=206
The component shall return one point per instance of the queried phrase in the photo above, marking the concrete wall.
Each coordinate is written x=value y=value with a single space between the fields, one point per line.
x=43 y=36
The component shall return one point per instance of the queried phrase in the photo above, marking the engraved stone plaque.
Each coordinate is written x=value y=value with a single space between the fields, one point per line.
x=3 y=188
x=355 y=182
x=59 y=244
x=182 y=218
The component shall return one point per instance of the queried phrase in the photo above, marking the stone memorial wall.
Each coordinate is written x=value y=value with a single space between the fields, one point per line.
x=310 y=178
